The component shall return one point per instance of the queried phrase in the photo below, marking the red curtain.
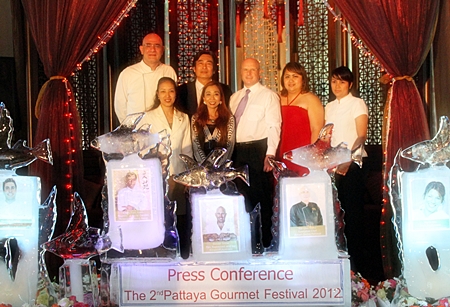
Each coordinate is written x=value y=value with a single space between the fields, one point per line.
x=399 y=33
x=64 y=31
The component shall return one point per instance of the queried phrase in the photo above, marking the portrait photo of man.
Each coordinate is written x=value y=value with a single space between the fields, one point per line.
x=219 y=228
x=131 y=197
x=305 y=213
x=10 y=190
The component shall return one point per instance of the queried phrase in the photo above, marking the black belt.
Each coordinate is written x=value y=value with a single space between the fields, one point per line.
x=251 y=143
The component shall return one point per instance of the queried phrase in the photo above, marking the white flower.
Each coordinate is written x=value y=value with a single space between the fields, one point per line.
x=381 y=294
x=65 y=302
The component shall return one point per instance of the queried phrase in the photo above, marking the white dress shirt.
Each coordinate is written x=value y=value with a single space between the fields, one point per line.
x=261 y=118
x=180 y=135
x=342 y=113
x=136 y=88
x=199 y=89
x=131 y=197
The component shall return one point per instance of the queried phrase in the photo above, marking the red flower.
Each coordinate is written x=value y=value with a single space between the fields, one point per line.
x=364 y=295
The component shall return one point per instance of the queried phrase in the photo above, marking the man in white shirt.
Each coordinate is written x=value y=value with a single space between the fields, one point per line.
x=257 y=138
x=222 y=229
x=136 y=85
x=189 y=94
x=131 y=197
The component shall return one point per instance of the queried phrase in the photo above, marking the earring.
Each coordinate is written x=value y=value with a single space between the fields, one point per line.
x=220 y=102
x=204 y=102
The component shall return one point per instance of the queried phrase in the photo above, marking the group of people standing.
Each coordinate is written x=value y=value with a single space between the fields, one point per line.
x=253 y=124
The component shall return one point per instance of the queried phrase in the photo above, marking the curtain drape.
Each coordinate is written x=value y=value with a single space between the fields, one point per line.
x=64 y=32
x=399 y=33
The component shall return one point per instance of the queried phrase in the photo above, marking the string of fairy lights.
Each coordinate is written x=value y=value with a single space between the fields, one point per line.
x=260 y=42
x=70 y=140
x=355 y=40
x=104 y=38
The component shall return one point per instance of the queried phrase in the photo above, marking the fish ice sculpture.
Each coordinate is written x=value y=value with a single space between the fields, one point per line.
x=79 y=241
x=434 y=151
x=126 y=139
x=321 y=156
x=19 y=155
x=209 y=174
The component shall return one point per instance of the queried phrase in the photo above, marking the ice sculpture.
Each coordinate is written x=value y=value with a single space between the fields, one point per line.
x=19 y=222
x=126 y=139
x=137 y=164
x=76 y=245
x=19 y=155
x=422 y=214
x=432 y=152
x=79 y=241
x=46 y=292
x=209 y=174
x=221 y=227
x=307 y=213
x=321 y=156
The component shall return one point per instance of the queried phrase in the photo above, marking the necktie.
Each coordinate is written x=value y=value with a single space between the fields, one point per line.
x=241 y=107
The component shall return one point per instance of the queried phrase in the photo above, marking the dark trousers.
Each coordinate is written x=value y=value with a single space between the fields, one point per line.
x=261 y=183
x=351 y=190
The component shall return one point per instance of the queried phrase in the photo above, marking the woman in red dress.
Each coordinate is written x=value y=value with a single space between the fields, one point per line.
x=302 y=113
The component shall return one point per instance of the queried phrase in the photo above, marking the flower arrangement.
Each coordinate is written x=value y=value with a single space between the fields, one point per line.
x=407 y=300
x=65 y=302
x=386 y=290
x=70 y=302
x=393 y=292
x=362 y=291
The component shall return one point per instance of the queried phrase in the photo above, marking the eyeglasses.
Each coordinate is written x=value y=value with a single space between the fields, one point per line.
x=149 y=45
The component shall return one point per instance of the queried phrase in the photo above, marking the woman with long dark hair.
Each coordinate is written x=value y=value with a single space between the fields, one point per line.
x=213 y=125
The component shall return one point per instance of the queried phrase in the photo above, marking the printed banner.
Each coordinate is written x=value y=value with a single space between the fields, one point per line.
x=318 y=283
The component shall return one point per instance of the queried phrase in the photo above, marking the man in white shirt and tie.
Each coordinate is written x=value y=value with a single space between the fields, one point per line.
x=258 y=125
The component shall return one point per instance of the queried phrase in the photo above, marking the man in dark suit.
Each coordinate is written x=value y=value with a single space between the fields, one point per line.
x=189 y=94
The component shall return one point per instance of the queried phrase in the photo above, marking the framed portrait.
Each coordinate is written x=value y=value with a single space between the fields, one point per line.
x=136 y=201
x=306 y=212
x=219 y=225
x=19 y=202
x=425 y=201
x=306 y=217
x=132 y=194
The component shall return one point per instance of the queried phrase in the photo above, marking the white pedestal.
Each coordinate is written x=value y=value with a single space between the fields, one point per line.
x=78 y=277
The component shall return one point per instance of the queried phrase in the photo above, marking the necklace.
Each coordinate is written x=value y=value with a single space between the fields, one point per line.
x=213 y=120
x=289 y=103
